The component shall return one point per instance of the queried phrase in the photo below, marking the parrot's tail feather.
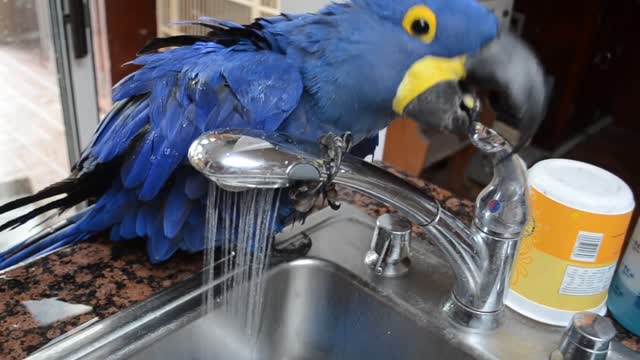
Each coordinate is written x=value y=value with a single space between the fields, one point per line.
x=179 y=40
x=55 y=241
x=224 y=33
x=62 y=204
x=77 y=188
x=89 y=180
x=58 y=188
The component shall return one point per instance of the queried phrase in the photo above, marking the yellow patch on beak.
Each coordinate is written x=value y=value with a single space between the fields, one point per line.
x=423 y=75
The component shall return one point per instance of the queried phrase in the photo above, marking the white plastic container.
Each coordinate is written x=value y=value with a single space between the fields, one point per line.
x=581 y=215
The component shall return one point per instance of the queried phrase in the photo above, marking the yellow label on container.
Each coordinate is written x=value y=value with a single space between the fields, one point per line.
x=569 y=260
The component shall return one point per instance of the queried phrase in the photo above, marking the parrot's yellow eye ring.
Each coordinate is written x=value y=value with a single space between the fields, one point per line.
x=421 y=22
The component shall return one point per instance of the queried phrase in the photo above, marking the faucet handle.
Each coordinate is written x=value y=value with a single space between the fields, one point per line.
x=588 y=337
x=389 y=253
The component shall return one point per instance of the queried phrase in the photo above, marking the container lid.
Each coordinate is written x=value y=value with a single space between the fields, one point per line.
x=582 y=186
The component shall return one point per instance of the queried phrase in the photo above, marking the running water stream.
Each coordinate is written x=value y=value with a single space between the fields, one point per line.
x=238 y=235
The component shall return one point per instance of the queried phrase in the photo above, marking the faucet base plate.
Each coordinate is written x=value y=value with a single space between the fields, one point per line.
x=466 y=317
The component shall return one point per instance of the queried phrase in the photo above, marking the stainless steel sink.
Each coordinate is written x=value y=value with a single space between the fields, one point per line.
x=313 y=310
x=327 y=306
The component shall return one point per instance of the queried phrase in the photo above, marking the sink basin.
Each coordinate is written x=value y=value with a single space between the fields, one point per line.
x=313 y=310
x=329 y=305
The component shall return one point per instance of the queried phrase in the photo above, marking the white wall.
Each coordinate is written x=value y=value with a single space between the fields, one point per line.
x=301 y=6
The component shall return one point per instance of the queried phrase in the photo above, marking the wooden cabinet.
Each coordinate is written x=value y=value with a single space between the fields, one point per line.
x=562 y=34
x=612 y=75
x=590 y=48
x=130 y=25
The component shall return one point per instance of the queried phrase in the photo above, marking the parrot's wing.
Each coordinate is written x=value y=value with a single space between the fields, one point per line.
x=219 y=88
x=133 y=164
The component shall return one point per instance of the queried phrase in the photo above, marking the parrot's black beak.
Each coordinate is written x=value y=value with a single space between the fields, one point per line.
x=435 y=90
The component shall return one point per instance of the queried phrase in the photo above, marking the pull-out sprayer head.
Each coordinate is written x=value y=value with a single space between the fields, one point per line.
x=238 y=160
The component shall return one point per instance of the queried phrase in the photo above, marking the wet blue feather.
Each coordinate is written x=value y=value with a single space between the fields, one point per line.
x=195 y=186
x=128 y=224
x=115 y=234
x=136 y=167
x=143 y=217
x=159 y=247
x=122 y=134
x=193 y=236
x=197 y=215
x=177 y=208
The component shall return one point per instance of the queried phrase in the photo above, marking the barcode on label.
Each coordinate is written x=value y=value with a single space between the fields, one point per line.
x=587 y=246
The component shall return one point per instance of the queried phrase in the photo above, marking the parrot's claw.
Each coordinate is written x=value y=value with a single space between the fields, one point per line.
x=335 y=147
x=305 y=196
x=331 y=196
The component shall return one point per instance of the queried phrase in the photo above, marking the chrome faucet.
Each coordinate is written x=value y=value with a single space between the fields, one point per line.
x=481 y=255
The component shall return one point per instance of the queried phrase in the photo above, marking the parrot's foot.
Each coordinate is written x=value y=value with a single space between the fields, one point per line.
x=291 y=250
x=307 y=194
x=334 y=147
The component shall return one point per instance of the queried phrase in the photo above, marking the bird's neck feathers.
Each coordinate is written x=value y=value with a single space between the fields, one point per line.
x=346 y=81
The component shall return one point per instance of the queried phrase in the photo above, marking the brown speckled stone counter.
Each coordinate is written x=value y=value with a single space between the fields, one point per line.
x=96 y=273
x=110 y=277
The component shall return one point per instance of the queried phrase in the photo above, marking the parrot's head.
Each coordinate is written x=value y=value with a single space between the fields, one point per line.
x=422 y=58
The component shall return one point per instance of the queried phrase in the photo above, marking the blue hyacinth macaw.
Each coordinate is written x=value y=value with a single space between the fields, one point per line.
x=350 y=68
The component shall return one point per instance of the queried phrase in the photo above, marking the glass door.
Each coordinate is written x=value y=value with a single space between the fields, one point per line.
x=48 y=105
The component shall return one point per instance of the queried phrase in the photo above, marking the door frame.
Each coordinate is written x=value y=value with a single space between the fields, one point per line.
x=76 y=75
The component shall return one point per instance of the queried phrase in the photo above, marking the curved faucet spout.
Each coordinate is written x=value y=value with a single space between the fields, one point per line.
x=481 y=255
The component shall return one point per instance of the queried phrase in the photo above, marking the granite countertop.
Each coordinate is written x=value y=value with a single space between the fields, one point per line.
x=109 y=277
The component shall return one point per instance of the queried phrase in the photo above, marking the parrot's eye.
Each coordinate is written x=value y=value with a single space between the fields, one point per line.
x=420 y=27
x=420 y=22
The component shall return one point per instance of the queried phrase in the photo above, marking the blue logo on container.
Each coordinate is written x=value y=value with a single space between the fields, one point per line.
x=495 y=206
